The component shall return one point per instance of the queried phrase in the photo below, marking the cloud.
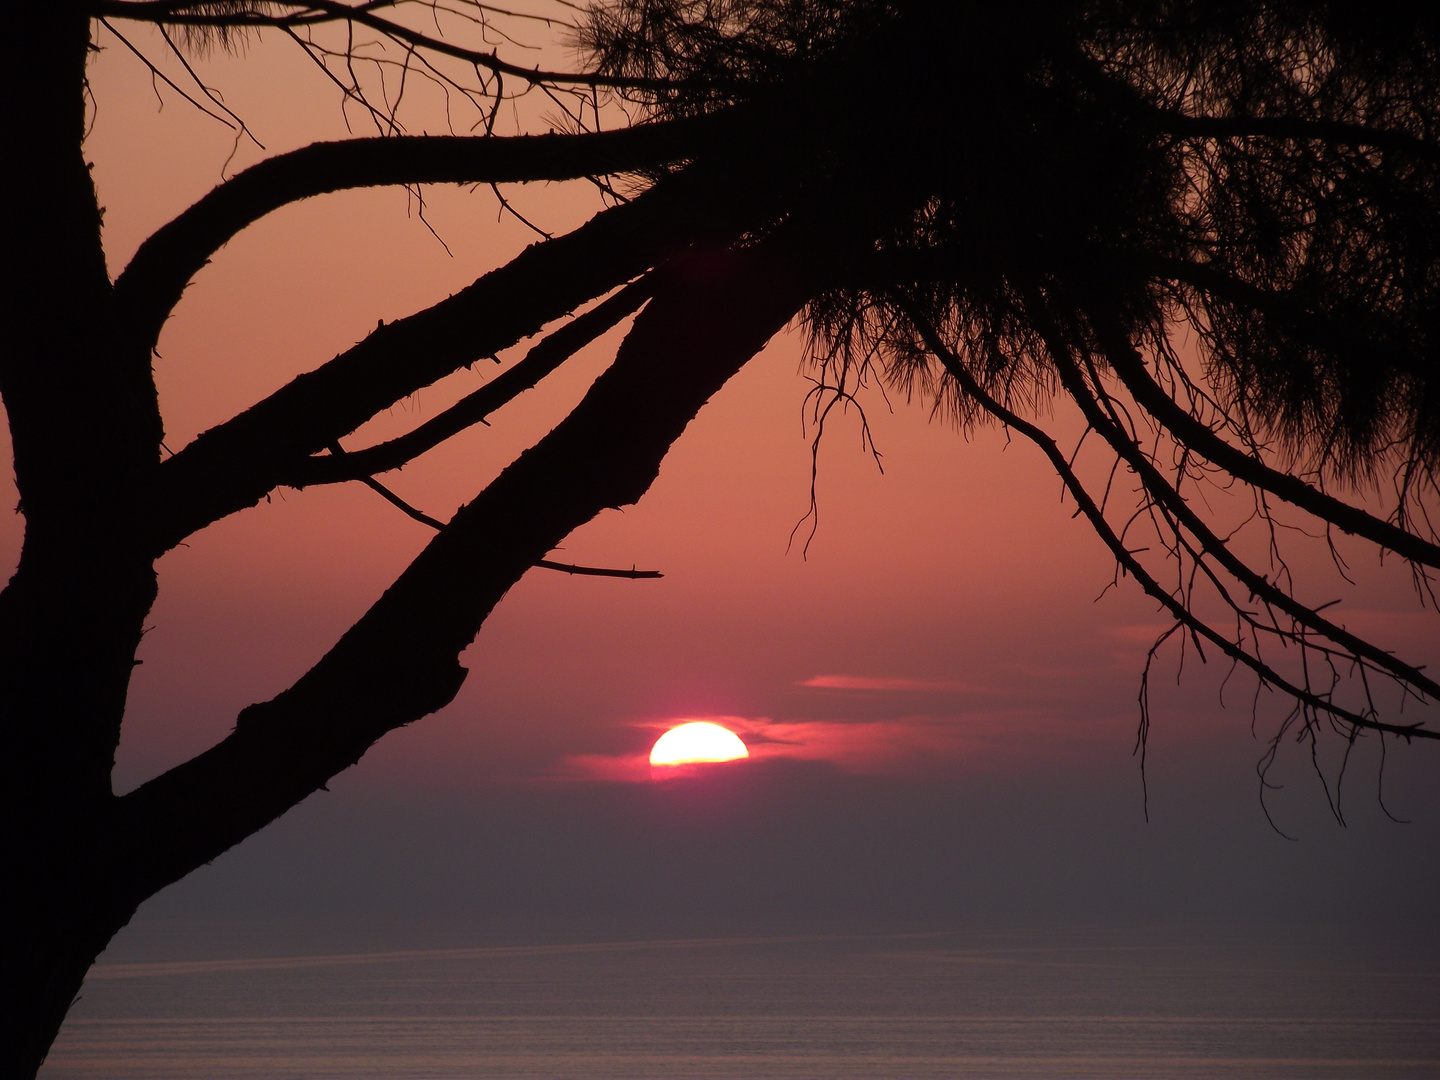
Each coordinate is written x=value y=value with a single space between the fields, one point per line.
x=868 y=746
x=904 y=745
x=889 y=683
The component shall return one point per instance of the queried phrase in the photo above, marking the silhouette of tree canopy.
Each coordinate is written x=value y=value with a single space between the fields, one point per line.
x=995 y=207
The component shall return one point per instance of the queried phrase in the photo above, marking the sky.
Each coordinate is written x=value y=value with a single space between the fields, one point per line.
x=939 y=701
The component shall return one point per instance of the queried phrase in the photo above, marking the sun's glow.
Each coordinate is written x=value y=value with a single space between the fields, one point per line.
x=696 y=741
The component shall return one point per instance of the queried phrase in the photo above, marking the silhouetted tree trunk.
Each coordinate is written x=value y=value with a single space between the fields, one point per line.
x=82 y=407
x=85 y=431
x=1025 y=206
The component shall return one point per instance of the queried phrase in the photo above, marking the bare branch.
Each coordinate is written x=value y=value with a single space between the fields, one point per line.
x=151 y=285
x=436 y=524
x=400 y=661
x=472 y=409
x=596 y=571
x=237 y=463
x=311 y=12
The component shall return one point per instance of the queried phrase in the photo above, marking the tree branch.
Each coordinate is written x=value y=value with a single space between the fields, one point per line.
x=436 y=524
x=544 y=358
x=596 y=571
x=1318 y=329
x=1167 y=496
x=236 y=464
x=1130 y=368
x=400 y=661
x=1299 y=129
x=318 y=11
x=1127 y=560
x=151 y=285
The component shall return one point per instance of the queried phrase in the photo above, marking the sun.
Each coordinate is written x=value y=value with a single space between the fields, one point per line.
x=697 y=741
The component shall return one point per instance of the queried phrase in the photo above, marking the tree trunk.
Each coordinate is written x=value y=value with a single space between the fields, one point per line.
x=85 y=432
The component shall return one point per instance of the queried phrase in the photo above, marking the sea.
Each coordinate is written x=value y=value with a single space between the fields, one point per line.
x=1114 y=1003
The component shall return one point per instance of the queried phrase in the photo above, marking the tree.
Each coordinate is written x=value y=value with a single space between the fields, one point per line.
x=993 y=206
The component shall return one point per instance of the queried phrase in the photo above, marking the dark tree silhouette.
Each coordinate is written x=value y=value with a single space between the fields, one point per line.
x=991 y=205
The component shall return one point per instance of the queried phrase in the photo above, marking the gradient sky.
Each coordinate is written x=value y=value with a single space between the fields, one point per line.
x=941 y=713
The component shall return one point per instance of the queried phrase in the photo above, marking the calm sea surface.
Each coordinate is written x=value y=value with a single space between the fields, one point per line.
x=978 y=1005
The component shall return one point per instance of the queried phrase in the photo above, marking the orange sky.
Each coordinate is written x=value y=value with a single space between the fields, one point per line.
x=943 y=626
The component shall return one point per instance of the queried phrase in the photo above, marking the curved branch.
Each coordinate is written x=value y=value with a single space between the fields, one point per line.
x=1127 y=560
x=1173 y=502
x=400 y=661
x=236 y=464
x=151 y=285
x=1124 y=96
x=1130 y=368
x=1317 y=329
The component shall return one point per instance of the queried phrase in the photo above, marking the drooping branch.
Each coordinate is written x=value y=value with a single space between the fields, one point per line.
x=236 y=464
x=400 y=661
x=1126 y=559
x=1130 y=367
x=472 y=409
x=151 y=285
x=1120 y=354
x=1166 y=495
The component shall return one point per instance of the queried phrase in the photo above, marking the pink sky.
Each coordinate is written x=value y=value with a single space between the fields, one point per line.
x=943 y=623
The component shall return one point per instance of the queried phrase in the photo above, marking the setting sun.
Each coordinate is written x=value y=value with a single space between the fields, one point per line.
x=697 y=741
